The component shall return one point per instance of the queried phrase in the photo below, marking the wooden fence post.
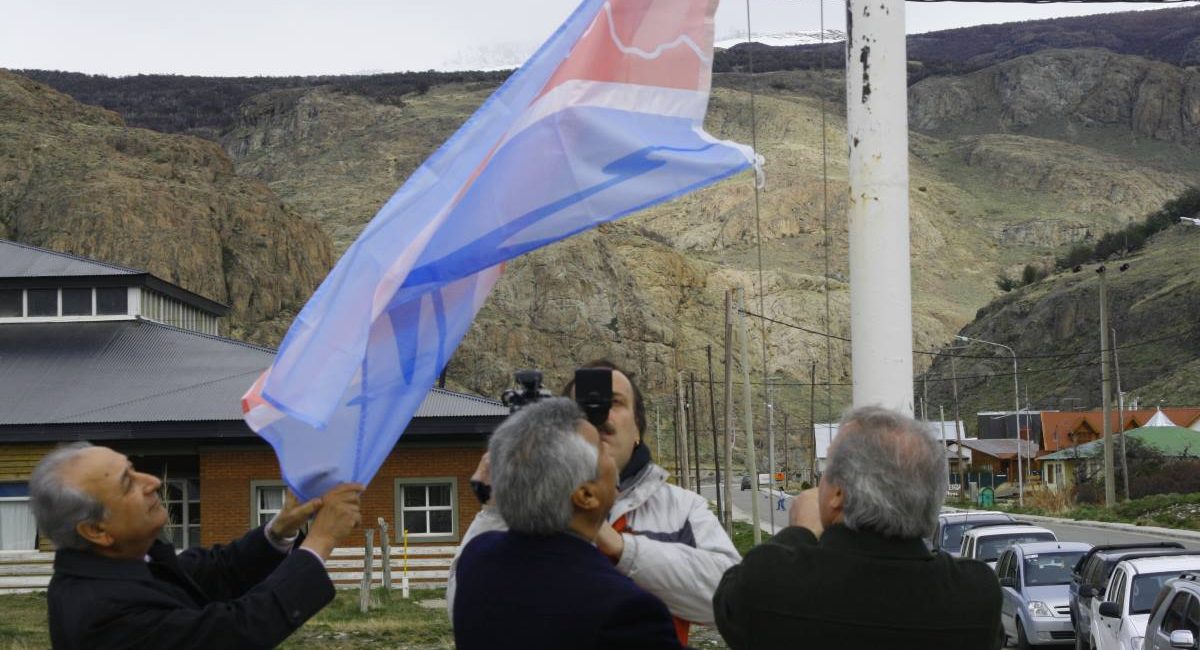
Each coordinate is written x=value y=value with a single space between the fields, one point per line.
x=364 y=591
x=385 y=547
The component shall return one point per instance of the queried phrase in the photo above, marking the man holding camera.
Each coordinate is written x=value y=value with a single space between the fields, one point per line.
x=663 y=537
x=543 y=583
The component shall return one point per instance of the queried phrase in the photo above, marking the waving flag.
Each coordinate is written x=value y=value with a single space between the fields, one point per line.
x=604 y=120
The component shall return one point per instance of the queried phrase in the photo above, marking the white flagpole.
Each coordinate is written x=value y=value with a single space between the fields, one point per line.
x=877 y=130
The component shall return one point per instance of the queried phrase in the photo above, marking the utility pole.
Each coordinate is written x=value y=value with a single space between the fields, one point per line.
x=962 y=485
x=692 y=408
x=748 y=408
x=657 y=433
x=681 y=418
x=1120 y=413
x=712 y=412
x=787 y=460
x=729 y=412
x=812 y=425
x=1110 y=479
x=771 y=453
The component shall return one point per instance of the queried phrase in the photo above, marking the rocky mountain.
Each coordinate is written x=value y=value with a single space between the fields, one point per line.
x=75 y=178
x=1011 y=162
x=1053 y=324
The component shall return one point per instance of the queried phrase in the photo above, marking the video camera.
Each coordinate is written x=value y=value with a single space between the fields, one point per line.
x=592 y=387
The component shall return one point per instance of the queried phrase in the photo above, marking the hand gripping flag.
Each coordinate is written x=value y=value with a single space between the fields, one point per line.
x=605 y=119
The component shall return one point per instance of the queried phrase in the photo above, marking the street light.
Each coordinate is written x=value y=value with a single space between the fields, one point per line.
x=1016 y=412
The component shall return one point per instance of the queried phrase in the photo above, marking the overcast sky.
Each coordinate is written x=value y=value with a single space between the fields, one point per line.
x=307 y=37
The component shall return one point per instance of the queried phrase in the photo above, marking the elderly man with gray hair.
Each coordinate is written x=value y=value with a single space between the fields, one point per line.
x=116 y=585
x=852 y=570
x=543 y=583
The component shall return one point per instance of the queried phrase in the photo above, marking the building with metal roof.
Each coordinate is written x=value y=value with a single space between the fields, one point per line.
x=112 y=355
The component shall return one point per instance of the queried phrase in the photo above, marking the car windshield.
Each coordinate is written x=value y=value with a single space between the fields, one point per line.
x=992 y=546
x=1145 y=588
x=1044 y=569
x=952 y=532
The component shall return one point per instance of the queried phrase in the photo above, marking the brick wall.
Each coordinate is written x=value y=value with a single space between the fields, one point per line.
x=225 y=476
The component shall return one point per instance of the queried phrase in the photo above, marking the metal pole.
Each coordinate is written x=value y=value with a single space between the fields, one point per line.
x=880 y=267
x=1110 y=479
x=712 y=412
x=748 y=408
x=1120 y=413
x=1017 y=414
x=682 y=427
x=787 y=460
x=729 y=412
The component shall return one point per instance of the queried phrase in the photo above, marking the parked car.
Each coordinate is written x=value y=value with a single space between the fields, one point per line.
x=1119 y=621
x=1091 y=575
x=985 y=542
x=745 y=482
x=947 y=535
x=1175 y=617
x=1034 y=580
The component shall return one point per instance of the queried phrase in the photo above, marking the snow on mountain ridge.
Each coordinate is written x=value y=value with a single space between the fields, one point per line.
x=783 y=38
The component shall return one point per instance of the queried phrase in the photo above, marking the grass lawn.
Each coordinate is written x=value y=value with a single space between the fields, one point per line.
x=392 y=623
x=1166 y=510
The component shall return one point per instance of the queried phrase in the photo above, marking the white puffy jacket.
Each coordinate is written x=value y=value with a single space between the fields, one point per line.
x=674 y=546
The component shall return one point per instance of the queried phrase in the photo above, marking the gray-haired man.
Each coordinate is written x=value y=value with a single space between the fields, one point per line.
x=543 y=583
x=116 y=585
x=852 y=571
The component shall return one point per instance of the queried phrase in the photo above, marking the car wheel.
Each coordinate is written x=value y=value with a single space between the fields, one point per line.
x=1022 y=642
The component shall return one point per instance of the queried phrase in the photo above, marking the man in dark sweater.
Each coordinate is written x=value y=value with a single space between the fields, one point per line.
x=852 y=570
x=116 y=585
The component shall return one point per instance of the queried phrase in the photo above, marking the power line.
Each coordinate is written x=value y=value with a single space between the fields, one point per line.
x=1056 y=355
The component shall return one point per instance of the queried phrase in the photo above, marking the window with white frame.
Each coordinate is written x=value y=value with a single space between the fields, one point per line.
x=18 y=530
x=427 y=508
x=64 y=302
x=266 y=500
x=182 y=498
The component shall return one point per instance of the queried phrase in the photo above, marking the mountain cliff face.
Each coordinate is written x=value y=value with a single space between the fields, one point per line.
x=1154 y=308
x=1057 y=89
x=1009 y=164
x=983 y=202
x=74 y=178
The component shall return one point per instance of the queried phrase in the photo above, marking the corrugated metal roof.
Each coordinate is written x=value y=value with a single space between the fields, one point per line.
x=24 y=261
x=142 y=371
x=1002 y=447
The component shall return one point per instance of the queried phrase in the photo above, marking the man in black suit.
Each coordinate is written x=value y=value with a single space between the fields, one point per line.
x=852 y=571
x=543 y=583
x=116 y=585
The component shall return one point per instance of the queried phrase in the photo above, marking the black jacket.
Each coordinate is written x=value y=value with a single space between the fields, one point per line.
x=244 y=595
x=856 y=590
x=551 y=593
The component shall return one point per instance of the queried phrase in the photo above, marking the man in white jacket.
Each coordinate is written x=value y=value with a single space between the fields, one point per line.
x=663 y=537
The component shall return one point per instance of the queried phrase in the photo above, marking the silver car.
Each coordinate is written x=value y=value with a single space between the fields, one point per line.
x=1175 y=617
x=947 y=536
x=1035 y=580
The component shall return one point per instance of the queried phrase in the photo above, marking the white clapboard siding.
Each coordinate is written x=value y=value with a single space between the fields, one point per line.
x=428 y=566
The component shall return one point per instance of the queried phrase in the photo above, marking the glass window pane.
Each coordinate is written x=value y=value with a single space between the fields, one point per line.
x=439 y=495
x=270 y=498
x=17 y=527
x=43 y=302
x=77 y=302
x=193 y=489
x=111 y=301
x=174 y=535
x=441 y=521
x=10 y=302
x=174 y=513
x=415 y=522
x=414 y=496
x=174 y=491
x=193 y=512
x=264 y=517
